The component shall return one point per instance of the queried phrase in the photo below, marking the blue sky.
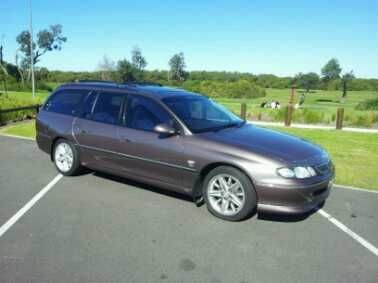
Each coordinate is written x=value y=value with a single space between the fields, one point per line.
x=279 y=37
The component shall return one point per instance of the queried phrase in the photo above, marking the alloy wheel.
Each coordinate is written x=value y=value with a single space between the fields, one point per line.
x=226 y=194
x=63 y=157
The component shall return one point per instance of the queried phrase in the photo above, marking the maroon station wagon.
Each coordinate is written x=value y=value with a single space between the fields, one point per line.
x=185 y=142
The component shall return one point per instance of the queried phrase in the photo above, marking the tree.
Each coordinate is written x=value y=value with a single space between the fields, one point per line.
x=47 y=40
x=126 y=70
x=20 y=69
x=42 y=74
x=345 y=79
x=137 y=58
x=307 y=81
x=331 y=70
x=107 y=67
x=138 y=62
x=177 y=67
x=3 y=70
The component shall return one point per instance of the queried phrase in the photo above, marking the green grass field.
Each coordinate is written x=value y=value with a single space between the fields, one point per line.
x=322 y=99
x=319 y=108
x=355 y=154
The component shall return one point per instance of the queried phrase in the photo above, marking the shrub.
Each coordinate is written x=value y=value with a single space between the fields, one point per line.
x=312 y=117
x=238 y=89
x=279 y=114
x=16 y=86
x=9 y=101
x=361 y=121
x=369 y=104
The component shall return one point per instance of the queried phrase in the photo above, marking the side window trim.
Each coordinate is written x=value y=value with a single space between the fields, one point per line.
x=124 y=108
x=121 y=110
x=81 y=115
x=96 y=94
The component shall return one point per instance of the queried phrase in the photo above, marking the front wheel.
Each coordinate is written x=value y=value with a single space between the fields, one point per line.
x=229 y=194
x=66 y=158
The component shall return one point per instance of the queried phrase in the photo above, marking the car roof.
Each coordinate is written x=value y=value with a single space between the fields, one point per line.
x=148 y=89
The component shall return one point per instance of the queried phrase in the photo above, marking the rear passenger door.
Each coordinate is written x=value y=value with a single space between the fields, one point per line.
x=147 y=154
x=96 y=129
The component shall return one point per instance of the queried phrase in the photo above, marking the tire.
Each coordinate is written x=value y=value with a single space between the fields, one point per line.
x=66 y=157
x=234 y=198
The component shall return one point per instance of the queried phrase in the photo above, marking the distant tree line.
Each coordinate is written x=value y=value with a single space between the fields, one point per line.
x=16 y=76
x=125 y=70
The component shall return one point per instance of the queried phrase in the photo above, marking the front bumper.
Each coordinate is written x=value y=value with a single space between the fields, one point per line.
x=296 y=199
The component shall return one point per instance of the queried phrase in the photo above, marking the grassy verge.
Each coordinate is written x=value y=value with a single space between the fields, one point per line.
x=355 y=154
x=25 y=129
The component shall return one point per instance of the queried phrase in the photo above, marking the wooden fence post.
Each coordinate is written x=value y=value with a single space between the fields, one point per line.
x=339 y=118
x=243 y=111
x=288 y=115
x=289 y=107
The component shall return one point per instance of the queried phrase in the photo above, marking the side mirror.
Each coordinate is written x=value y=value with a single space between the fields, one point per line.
x=165 y=130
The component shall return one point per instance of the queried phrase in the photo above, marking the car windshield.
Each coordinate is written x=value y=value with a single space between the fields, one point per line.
x=201 y=114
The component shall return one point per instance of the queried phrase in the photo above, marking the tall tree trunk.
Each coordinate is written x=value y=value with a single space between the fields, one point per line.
x=21 y=76
x=5 y=85
x=344 y=89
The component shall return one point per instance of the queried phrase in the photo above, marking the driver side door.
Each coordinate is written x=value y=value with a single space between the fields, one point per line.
x=147 y=154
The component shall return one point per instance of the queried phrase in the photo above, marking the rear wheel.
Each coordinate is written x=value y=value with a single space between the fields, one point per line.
x=66 y=158
x=229 y=194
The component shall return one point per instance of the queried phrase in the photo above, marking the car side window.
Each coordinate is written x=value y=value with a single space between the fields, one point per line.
x=107 y=107
x=66 y=102
x=196 y=110
x=144 y=114
x=216 y=114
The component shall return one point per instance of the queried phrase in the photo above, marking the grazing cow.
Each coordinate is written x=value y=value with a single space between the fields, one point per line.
x=272 y=104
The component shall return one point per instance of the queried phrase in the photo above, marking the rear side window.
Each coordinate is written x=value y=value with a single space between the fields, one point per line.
x=66 y=102
x=107 y=107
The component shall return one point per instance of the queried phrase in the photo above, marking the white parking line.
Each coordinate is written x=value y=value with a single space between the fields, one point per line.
x=5 y=227
x=349 y=232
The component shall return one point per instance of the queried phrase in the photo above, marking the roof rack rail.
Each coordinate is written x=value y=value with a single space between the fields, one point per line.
x=95 y=81
x=145 y=83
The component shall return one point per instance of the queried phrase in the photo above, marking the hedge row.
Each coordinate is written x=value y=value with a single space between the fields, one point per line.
x=8 y=102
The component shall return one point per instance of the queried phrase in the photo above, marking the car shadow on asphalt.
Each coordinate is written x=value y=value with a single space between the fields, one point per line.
x=289 y=217
x=282 y=218
x=143 y=186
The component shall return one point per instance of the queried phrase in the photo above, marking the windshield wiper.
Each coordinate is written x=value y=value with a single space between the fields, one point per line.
x=230 y=125
x=242 y=123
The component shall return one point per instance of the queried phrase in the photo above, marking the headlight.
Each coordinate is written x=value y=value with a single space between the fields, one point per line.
x=297 y=172
x=286 y=172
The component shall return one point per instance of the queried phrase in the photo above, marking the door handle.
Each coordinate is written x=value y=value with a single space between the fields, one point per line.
x=125 y=139
x=84 y=132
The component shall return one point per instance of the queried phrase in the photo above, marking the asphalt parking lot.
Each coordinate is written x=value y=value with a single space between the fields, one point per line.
x=96 y=228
